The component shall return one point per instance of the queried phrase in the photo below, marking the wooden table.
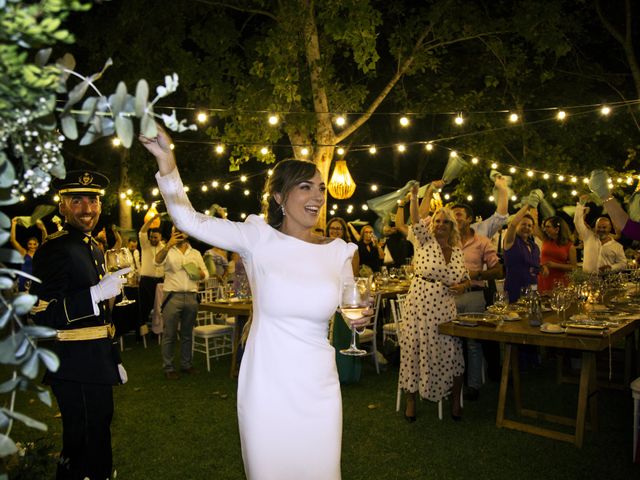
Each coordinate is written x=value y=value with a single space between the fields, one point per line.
x=242 y=311
x=520 y=333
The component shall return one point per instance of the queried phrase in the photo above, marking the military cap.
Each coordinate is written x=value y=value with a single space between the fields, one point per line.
x=81 y=182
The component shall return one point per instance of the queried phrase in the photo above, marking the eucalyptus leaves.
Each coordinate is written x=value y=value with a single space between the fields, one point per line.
x=104 y=116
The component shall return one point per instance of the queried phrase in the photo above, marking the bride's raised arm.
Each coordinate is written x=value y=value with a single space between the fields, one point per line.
x=234 y=236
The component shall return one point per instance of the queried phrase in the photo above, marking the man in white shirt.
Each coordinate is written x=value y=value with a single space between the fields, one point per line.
x=602 y=253
x=183 y=269
x=150 y=273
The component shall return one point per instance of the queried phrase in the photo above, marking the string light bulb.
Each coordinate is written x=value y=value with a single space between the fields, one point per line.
x=155 y=192
x=561 y=178
x=605 y=110
x=226 y=186
x=491 y=198
x=246 y=193
x=373 y=150
x=429 y=147
x=402 y=148
x=545 y=176
x=340 y=121
x=453 y=154
x=374 y=188
x=220 y=149
x=304 y=151
x=475 y=160
x=116 y=142
x=204 y=188
x=340 y=151
x=459 y=120
x=264 y=150
x=530 y=173
x=273 y=119
x=201 y=117
x=514 y=117
x=215 y=184
x=561 y=115
x=494 y=165
x=404 y=121
x=554 y=195
x=365 y=207
x=243 y=178
x=512 y=170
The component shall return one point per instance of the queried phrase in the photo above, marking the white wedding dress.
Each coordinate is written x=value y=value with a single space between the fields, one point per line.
x=289 y=404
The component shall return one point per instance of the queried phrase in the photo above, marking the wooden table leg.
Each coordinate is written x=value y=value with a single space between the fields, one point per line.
x=515 y=376
x=587 y=375
x=504 y=383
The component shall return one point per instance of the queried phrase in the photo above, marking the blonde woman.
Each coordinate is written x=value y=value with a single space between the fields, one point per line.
x=432 y=364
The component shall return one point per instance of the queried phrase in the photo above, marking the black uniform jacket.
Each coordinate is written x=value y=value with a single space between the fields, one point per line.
x=68 y=263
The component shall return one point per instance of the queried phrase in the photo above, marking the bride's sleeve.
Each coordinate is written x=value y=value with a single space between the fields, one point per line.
x=347 y=266
x=225 y=234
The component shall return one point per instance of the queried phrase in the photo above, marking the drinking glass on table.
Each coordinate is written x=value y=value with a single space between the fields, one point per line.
x=117 y=259
x=500 y=301
x=354 y=300
x=558 y=301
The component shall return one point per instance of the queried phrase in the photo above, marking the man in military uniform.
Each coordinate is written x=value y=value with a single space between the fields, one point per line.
x=72 y=299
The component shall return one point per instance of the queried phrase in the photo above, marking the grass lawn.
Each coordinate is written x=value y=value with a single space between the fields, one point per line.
x=188 y=429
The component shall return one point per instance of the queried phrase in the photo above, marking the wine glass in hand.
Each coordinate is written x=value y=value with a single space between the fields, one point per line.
x=117 y=259
x=354 y=300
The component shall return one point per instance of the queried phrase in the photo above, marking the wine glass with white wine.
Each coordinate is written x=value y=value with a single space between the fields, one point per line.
x=117 y=259
x=354 y=300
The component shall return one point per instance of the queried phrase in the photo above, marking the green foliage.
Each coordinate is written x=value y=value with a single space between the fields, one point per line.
x=30 y=154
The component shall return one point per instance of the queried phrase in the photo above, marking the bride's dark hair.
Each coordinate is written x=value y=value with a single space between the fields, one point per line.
x=286 y=175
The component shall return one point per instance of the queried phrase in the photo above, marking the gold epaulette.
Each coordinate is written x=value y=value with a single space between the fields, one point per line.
x=55 y=235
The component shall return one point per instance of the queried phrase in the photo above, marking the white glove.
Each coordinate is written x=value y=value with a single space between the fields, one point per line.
x=124 y=378
x=109 y=286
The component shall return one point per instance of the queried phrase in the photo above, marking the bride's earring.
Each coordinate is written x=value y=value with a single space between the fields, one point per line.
x=283 y=212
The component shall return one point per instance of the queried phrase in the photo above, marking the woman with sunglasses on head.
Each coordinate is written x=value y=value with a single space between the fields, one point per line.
x=432 y=364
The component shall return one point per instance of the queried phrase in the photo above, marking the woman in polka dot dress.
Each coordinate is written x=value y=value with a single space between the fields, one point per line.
x=432 y=364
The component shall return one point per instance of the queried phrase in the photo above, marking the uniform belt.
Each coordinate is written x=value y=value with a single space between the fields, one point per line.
x=87 y=333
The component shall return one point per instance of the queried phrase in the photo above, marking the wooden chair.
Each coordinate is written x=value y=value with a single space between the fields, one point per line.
x=391 y=330
x=370 y=333
x=212 y=339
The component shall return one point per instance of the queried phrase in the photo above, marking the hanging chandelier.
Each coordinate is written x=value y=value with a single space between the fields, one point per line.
x=341 y=185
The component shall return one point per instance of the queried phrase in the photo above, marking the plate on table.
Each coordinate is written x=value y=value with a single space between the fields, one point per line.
x=511 y=317
x=475 y=319
x=551 y=328
x=597 y=308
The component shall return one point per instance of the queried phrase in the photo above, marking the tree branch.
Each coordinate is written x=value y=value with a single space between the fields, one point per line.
x=624 y=40
x=385 y=91
x=398 y=75
x=239 y=9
